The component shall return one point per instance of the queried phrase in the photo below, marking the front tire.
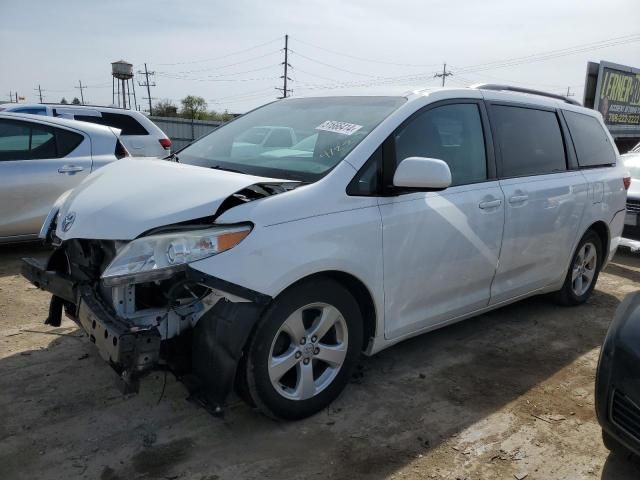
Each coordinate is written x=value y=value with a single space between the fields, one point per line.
x=583 y=271
x=304 y=349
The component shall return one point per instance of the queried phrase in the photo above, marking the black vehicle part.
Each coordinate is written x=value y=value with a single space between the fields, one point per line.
x=59 y=285
x=217 y=346
x=228 y=287
x=55 y=312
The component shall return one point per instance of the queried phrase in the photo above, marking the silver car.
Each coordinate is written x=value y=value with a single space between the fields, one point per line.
x=40 y=159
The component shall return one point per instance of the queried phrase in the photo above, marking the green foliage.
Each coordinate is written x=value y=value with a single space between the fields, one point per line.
x=165 y=108
x=193 y=107
x=75 y=101
x=64 y=101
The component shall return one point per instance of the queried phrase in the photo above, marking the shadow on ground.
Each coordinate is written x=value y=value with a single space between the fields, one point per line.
x=12 y=255
x=62 y=416
x=618 y=467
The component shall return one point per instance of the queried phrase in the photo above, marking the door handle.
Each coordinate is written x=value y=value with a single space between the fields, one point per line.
x=70 y=169
x=490 y=204
x=518 y=198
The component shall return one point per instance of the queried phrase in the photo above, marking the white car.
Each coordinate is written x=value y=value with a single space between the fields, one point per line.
x=140 y=136
x=273 y=272
x=40 y=159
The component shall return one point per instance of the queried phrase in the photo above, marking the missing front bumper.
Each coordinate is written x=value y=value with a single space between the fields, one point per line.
x=128 y=349
x=214 y=347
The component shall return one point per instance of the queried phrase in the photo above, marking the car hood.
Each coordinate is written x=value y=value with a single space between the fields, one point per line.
x=131 y=196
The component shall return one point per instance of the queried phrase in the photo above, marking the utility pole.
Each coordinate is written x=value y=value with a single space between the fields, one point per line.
x=81 y=94
x=569 y=94
x=39 y=92
x=444 y=74
x=147 y=84
x=10 y=96
x=285 y=91
x=17 y=97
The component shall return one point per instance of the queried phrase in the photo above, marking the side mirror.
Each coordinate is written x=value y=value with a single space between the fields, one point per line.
x=422 y=174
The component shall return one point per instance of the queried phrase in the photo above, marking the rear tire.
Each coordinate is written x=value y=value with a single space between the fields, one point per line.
x=583 y=271
x=304 y=349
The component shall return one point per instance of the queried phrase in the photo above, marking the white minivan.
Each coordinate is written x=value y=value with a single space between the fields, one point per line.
x=140 y=136
x=273 y=273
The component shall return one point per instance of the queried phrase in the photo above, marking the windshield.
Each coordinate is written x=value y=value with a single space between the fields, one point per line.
x=295 y=139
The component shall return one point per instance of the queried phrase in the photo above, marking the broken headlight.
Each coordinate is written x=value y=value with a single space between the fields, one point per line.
x=160 y=256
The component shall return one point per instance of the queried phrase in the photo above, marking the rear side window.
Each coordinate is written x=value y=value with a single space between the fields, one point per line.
x=126 y=123
x=530 y=141
x=590 y=140
x=67 y=141
x=43 y=142
x=26 y=141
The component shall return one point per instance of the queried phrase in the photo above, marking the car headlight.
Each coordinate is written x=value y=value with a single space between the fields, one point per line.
x=158 y=257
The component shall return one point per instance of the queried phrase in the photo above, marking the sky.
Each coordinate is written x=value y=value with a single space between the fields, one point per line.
x=231 y=52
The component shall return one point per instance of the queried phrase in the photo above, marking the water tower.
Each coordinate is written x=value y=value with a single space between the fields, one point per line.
x=122 y=84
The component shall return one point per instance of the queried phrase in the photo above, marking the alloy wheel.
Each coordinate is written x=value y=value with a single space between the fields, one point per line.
x=584 y=269
x=308 y=351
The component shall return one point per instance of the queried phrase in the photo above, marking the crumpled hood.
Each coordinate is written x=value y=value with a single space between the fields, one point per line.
x=126 y=198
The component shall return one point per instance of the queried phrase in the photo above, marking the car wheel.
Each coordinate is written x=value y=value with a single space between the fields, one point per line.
x=304 y=349
x=583 y=271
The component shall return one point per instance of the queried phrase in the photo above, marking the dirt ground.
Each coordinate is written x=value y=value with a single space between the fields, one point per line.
x=501 y=396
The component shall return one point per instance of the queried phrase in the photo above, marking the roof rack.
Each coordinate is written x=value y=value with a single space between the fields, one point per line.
x=509 y=88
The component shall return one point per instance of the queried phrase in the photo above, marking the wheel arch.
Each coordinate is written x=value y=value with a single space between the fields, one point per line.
x=360 y=292
x=602 y=230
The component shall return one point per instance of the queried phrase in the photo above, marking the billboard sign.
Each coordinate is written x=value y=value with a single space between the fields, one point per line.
x=614 y=90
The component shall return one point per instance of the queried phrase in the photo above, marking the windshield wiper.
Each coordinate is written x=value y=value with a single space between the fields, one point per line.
x=218 y=167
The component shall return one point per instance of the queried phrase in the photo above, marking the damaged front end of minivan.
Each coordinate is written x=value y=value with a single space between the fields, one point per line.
x=144 y=306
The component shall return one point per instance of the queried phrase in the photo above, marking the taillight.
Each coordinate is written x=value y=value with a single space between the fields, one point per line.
x=627 y=182
x=166 y=143
x=121 y=151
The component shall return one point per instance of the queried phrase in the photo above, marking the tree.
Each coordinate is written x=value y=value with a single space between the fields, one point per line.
x=165 y=108
x=193 y=107
x=75 y=101
x=64 y=101
x=222 y=117
x=226 y=116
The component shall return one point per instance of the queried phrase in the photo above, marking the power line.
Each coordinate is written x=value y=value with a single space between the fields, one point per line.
x=81 y=91
x=251 y=93
x=333 y=66
x=39 y=92
x=505 y=63
x=220 y=67
x=537 y=57
x=285 y=91
x=147 y=84
x=218 y=79
x=444 y=74
x=366 y=59
x=222 y=56
x=232 y=74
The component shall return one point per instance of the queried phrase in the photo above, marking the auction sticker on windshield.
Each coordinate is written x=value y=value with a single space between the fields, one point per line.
x=339 y=127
